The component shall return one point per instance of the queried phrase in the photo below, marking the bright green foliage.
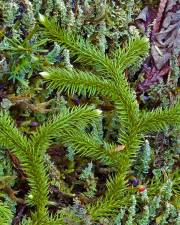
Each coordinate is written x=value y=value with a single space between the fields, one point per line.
x=31 y=152
x=88 y=146
x=5 y=215
x=60 y=124
x=87 y=54
x=108 y=79
x=159 y=119
x=32 y=162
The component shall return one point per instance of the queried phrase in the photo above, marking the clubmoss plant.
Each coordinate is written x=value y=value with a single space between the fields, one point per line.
x=6 y=215
x=31 y=153
x=98 y=74
x=108 y=79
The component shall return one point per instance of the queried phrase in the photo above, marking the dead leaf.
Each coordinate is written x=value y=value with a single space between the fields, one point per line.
x=118 y=148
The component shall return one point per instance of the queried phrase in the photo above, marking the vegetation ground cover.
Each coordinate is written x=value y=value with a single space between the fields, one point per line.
x=90 y=112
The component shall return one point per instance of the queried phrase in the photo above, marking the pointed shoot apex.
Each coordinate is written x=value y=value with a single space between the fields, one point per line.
x=44 y=74
x=41 y=18
x=99 y=112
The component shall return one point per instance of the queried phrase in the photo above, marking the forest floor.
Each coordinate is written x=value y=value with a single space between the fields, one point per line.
x=75 y=181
